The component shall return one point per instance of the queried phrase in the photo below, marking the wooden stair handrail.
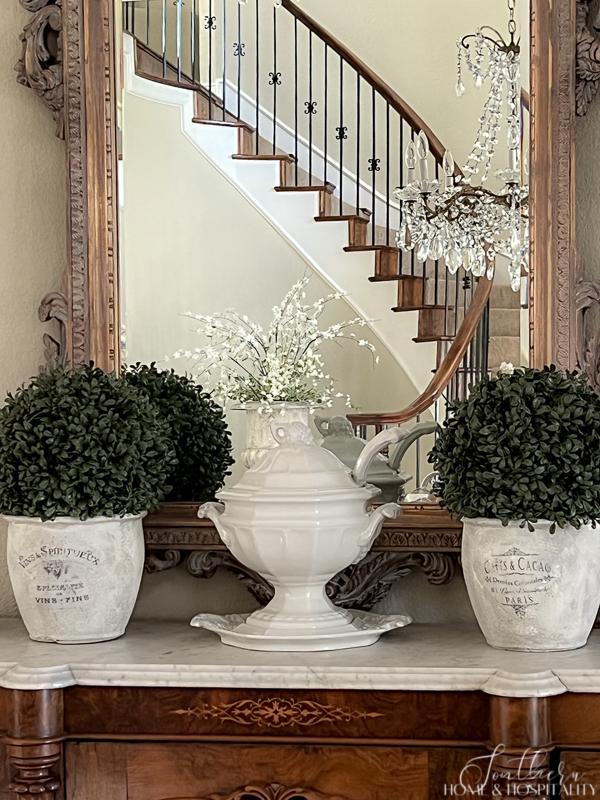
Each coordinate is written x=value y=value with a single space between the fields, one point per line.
x=385 y=90
x=446 y=370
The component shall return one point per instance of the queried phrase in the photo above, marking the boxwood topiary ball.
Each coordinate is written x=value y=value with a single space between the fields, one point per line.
x=523 y=447
x=198 y=430
x=81 y=443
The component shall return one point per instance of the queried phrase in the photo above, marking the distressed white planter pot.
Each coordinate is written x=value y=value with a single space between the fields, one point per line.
x=259 y=436
x=532 y=591
x=74 y=581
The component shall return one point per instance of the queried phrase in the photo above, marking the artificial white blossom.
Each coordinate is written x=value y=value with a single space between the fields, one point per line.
x=506 y=368
x=280 y=365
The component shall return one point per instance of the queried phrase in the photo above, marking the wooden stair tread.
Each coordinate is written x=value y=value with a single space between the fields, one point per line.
x=363 y=217
x=359 y=248
x=398 y=277
x=179 y=84
x=443 y=337
x=327 y=187
x=422 y=308
x=223 y=123
x=265 y=157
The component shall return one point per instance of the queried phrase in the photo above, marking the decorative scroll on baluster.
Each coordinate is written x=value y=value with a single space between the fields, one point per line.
x=41 y=64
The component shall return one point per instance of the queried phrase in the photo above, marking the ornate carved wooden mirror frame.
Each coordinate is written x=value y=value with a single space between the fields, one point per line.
x=76 y=77
x=69 y=59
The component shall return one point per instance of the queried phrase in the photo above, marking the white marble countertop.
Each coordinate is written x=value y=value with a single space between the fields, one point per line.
x=419 y=657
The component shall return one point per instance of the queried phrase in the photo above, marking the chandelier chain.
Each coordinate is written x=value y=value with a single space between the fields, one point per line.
x=512 y=25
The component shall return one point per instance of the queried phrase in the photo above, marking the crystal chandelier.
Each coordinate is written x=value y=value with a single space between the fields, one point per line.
x=459 y=218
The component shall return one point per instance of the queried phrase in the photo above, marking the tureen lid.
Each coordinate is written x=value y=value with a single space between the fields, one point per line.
x=298 y=465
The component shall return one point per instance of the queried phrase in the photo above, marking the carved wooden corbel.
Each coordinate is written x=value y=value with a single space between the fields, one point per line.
x=54 y=308
x=587 y=300
x=588 y=56
x=41 y=64
x=358 y=587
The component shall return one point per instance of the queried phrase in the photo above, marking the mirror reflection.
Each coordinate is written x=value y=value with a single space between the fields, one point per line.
x=258 y=151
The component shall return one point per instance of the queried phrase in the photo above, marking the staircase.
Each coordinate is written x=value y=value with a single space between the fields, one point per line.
x=316 y=141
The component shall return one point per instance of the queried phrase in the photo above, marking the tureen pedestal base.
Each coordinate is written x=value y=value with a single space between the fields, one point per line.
x=257 y=632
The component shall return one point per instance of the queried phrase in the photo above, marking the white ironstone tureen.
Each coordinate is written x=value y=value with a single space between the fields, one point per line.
x=297 y=518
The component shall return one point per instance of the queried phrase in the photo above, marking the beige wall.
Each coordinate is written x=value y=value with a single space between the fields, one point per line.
x=32 y=224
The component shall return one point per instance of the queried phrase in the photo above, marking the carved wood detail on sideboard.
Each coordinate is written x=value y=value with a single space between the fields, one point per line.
x=33 y=744
x=274 y=791
x=426 y=540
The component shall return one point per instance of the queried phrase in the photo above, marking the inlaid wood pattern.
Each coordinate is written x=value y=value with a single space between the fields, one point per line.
x=277 y=712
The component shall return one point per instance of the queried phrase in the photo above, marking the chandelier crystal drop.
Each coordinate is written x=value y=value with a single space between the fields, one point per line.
x=457 y=216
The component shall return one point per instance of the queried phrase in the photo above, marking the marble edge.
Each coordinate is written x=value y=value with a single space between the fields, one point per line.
x=493 y=682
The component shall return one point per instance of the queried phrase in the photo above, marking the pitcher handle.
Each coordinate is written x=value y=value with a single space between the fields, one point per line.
x=376 y=445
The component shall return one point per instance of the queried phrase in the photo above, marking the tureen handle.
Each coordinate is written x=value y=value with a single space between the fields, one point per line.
x=214 y=512
x=375 y=446
x=377 y=518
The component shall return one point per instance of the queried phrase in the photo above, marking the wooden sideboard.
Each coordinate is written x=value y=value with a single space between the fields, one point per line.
x=167 y=713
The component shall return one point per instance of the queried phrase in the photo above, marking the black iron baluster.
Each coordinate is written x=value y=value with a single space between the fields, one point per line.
x=387 y=174
x=209 y=25
x=296 y=99
x=374 y=166
x=164 y=37
x=225 y=54
x=412 y=252
x=240 y=53
x=193 y=44
x=310 y=109
x=325 y=121
x=437 y=262
x=358 y=145
x=147 y=22
x=401 y=255
x=341 y=135
x=456 y=296
x=275 y=79
x=178 y=20
x=257 y=45
x=418 y=456
x=132 y=5
x=446 y=282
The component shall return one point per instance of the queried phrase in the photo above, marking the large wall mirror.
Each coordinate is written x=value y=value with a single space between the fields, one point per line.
x=220 y=150
x=254 y=148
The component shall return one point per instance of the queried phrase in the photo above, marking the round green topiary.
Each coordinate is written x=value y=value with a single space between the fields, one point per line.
x=523 y=446
x=197 y=427
x=81 y=443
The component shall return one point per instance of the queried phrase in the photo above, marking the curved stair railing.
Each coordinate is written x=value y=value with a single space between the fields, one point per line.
x=299 y=96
